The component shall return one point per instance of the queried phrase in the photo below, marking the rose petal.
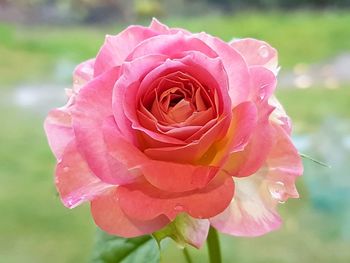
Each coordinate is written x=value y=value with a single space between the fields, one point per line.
x=82 y=74
x=171 y=46
x=242 y=126
x=248 y=161
x=167 y=176
x=93 y=104
x=279 y=115
x=235 y=66
x=256 y=52
x=253 y=209
x=108 y=216
x=74 y=180
x=263 y=83
x=203 y=203
x=58 y=129
x=163 y=29
x=116 y=48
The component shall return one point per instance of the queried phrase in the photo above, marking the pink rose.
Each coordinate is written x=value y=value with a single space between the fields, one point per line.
x=164 y=122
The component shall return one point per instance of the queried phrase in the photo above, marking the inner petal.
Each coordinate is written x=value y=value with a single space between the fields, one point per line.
x=181 y=111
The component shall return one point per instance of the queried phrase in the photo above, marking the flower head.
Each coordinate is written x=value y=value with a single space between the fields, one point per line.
x=164 y=123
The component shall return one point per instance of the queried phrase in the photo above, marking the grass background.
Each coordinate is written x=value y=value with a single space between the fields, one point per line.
x=34 y=225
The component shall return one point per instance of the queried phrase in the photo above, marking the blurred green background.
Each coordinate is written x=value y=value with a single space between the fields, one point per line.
x=42 y=40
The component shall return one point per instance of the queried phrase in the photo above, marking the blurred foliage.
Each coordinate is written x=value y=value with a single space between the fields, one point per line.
x=294 y=34
x=106 y=11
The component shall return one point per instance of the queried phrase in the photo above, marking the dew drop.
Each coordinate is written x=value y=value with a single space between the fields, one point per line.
x=278 y=191
x=178 y=208
x=264 y=51
x=65 y=169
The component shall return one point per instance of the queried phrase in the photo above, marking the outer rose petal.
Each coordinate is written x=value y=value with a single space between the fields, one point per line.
x=255 y=153
x=163 y=29
x=203 y=203
x=235 y=66
x=257 y=53
x=92 y=106
x=58 y=124
x=58 y=129
x=253 y=209
x=82 y=74
x=108 y=216
x=253 y=156
x=279 y=115
x=116 y=48
x=74 y=180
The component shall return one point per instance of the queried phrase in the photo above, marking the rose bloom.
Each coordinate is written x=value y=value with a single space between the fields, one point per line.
x=165 y=122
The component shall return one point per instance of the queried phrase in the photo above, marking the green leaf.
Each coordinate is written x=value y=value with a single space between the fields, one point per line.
x=113 y=249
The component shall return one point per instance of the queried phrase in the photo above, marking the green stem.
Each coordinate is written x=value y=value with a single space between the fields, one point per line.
x=187 y=255
x=213 y=246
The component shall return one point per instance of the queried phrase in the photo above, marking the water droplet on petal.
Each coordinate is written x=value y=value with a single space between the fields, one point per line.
x=65 y=169
x=262 y=94
x=278 y=191
x=76 y=81
x=264 y=51
x=178 y=208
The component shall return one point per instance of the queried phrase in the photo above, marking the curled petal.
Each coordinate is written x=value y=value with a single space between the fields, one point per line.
x=263 y=83
x=248 y=161
x=116 y=48
x=82 y=74
x=244 y=120
x=171 y=46
x=58 y=129
x=252 y=211
x=257 y=53
x=167 y=176
x=110 y=217
x=235 y=67
x=92 y=106
x=74 y=180
x=279 y=115
x=163 y=29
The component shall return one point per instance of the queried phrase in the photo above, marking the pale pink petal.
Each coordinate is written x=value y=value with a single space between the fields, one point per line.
x=163 y=29
x=82 y=74
x=235 y=66
x=116 y=48
x=158 y=26
x=92 y=106
x=58 y=129
x=263 y=83
x=109 y=217
x=257 y=53
x=195 y=231
x=279 y=115
x=74 y=180
x=203 y=203
x=188 y=230
x=253 y=209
